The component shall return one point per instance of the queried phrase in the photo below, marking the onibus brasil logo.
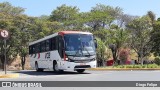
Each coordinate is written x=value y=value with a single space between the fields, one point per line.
x=21 y=84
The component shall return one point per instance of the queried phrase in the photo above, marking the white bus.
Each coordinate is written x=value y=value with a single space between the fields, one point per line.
x=65 y=50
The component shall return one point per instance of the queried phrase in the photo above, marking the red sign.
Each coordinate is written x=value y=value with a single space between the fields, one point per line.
x=4 y=34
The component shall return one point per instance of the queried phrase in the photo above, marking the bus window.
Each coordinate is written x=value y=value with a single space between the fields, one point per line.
x=53 y=43
x=33 y=49
x=37 y=48
x=43 y=49
x=30 y=50
x=47 y=45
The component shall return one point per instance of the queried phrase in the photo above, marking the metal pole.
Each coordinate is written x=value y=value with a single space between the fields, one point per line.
x=5 y=62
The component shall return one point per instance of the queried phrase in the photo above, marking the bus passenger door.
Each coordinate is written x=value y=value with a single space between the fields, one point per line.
x=60 y=49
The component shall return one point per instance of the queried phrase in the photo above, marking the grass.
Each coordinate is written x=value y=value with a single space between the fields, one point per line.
x=150 y=66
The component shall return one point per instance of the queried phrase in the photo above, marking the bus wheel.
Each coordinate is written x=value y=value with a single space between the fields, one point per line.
x=55 y=66
x=80 y=70
x=37 y=68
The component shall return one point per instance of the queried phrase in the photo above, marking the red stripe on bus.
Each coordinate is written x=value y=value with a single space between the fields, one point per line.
x=73 y=32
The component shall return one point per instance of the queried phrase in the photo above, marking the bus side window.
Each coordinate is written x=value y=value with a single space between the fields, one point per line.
x=33 y=49
x=43 y=49
x=30 y=50
x=38 y=48
x=50 y=44
x=56 y=42
x=53 y=43
x=47 y=45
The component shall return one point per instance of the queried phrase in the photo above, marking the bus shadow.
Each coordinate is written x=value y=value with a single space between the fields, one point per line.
x=45 y=73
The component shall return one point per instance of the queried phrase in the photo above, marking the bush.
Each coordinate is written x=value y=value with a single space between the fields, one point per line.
x=129 y=66
x=120 y=66
x=152 y=66
x=137 y=66
x=157 y=61
x=144 y=66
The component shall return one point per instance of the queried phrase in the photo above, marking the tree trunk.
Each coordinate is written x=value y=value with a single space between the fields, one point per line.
x=2 y=61
x=23 y=62
x=114 y=57
x=104 y=63
x=141 y=60
x=138 y=59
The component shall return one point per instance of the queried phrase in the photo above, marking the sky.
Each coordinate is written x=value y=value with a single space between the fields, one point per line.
x=45 y=7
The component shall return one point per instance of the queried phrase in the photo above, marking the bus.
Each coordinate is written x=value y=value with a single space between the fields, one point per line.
x=64 y=50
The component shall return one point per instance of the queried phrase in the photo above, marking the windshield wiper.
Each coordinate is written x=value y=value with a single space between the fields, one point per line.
x=87 y=50
x=78 y=52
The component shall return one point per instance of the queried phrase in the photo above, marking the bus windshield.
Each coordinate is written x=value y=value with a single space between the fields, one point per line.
x=79 y=44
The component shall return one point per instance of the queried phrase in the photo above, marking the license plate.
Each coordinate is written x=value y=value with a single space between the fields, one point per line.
x=82 y=63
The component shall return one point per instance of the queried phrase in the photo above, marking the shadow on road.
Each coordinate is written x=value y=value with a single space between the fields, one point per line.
x=49 y=73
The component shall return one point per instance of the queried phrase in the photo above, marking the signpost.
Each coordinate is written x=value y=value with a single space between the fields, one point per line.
x=4 y=35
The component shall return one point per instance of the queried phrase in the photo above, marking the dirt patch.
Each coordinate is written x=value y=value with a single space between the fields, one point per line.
x=16 y=64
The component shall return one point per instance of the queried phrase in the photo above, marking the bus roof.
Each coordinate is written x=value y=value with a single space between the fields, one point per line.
x=73 y=32
x=59 y=33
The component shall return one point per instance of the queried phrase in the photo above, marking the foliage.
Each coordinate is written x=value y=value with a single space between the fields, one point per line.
x=157 y=61
x=102 y=16
x=152 y=16
x=124 y=55
x=155 y=38
x=138 y=66
x=66 y=15
x=118 y=39
x=8 y=9
x=101 y=51
x=140 y=30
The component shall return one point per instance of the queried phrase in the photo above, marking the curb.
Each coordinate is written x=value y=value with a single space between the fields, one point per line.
x=9 y=75
x=126 y=69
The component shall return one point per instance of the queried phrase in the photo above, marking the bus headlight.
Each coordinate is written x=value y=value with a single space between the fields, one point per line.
x=93 y=59
x=66 y=59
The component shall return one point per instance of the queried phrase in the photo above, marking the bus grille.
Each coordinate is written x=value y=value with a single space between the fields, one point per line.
x=83 y=66
x=80 y=61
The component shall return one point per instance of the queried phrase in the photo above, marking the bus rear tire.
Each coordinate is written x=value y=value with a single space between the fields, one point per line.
x=80 y=70
x=37 y=68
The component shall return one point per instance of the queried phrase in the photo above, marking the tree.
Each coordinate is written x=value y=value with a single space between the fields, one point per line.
x=8 y=9
x=155 y=38
x=66 y=15
x=8 y=13
x=102 y=16
x=140 y=29
x=22 y=25
x=101 y=52
x=124 y=19
x=152 y=16
x=118 y=39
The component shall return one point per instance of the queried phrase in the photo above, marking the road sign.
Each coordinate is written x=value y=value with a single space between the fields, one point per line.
x=4 y=34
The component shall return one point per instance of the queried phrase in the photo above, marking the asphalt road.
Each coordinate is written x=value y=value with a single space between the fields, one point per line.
x=32 y=75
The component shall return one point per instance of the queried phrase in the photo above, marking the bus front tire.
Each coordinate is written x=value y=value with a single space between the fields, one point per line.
x=55 y=67
x=80 y=70
x=37 y=68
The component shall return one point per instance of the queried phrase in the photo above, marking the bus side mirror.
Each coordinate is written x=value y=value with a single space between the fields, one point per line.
x=95 y=43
